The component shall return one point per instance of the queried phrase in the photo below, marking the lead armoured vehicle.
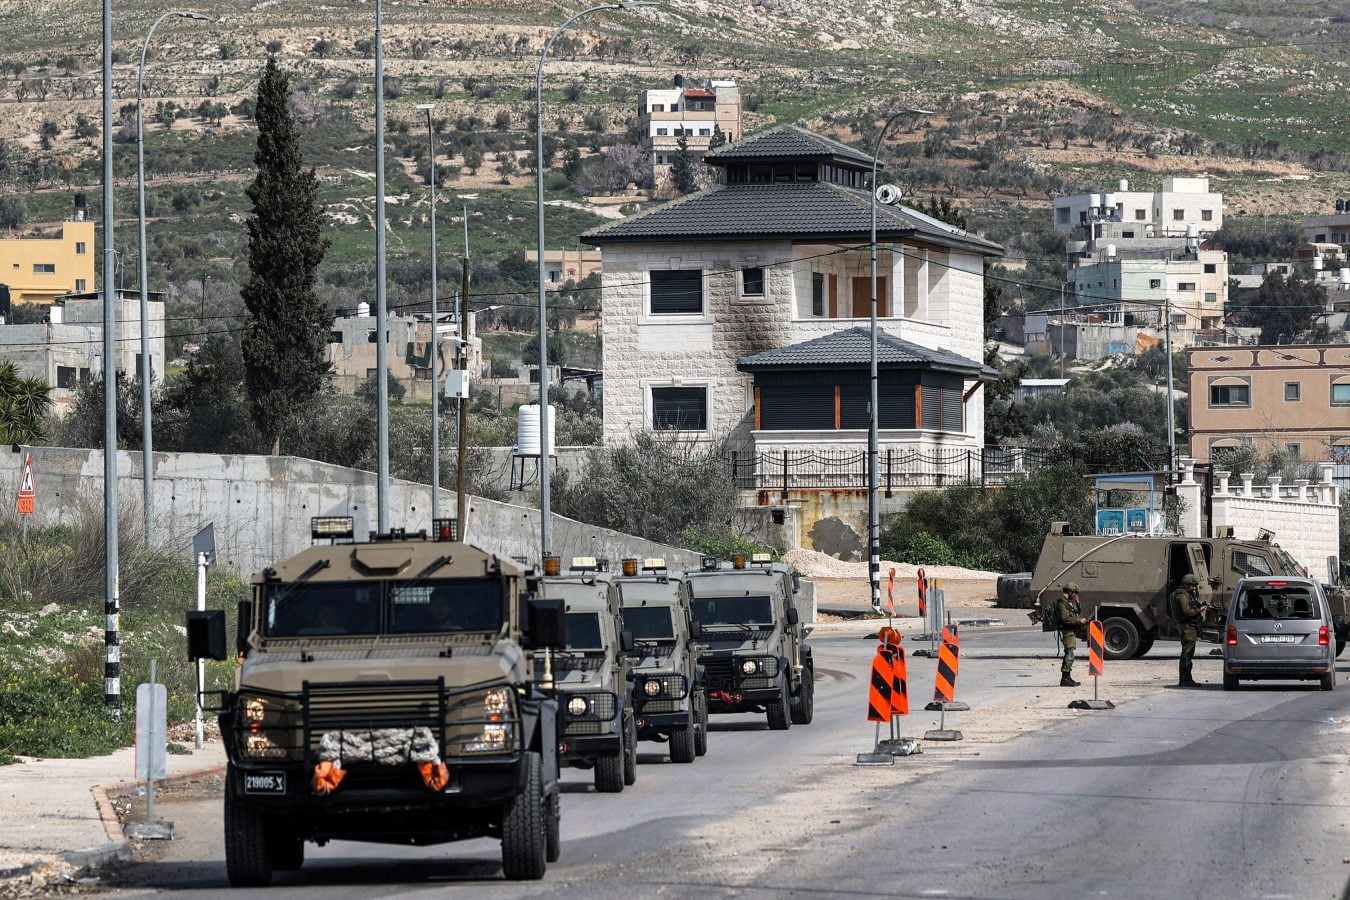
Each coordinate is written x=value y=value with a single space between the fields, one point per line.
x=668 y=694
x=757 y=658
x=1125 y=580
x=592 y=675
x=385 y=695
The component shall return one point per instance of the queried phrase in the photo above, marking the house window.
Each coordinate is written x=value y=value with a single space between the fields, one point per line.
x=1178 y=215
x=65 y=377
x=676 y=292
x=1140 y=215
x=1293 y=390
x=44 y=268
x=662 y=132
x=1320 y=238
x=1155 y=284
x=1127 y=234
x=658 y=107
x=1232 y=395
x=80 y=285
x=752 y=282
x=422 y=373
x=1206 y=215
x=1340 y=392
x=1062 y=215
x=818 y=294
x=80 y=248
x=334 y=337
x=1295 y=450
x=1185 y=285
x=1211 y=268
x=1211 y=297
x=705 y=132
x=680 y=408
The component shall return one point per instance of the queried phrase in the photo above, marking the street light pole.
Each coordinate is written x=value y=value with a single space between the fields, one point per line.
x=874 y=416
x=147 y=441
x=435 y=333
x=381 y=313
x=112 y=650
x=544 y=513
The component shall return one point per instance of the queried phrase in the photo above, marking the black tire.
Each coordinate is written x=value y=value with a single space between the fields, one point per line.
x=1328 y=681
x=524 y=830
x=682 y=742
x=553 y=826
x=609 y=769
x=780 y=716
x=1145 y=645
x=630 y=753
x=1121 y=637
x=1230 y=682
x=285 y=849
x=247 y=862
x=701 y=737
x=804 y=704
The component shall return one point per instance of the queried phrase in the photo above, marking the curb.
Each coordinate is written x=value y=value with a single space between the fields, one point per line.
x=92 y=859
x=103 y=794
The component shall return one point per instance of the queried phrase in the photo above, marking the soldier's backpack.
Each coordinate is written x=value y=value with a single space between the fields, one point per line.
x=1050 y=614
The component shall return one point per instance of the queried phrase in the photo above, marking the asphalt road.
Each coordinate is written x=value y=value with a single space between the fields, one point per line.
x=1176 y=793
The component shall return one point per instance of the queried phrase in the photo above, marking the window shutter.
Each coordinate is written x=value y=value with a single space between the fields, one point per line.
x=676 y=291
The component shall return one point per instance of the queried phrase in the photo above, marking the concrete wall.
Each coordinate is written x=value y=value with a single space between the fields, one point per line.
x=261 y=506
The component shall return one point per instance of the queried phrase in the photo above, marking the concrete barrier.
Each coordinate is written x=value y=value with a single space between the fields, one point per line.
x=261 y=506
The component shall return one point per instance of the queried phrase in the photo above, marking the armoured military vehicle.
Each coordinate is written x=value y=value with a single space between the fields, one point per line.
x=757 y=658
x=668 y=695
x=1125 y=580
x=592 y=675
x=385 y=695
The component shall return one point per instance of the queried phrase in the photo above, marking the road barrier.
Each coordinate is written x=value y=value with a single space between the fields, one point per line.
x=933 y=609
x=890 y=592
x=1096 y=667
x=888 y=697
x=923 y=595
x=879 y=690
x=944 y=686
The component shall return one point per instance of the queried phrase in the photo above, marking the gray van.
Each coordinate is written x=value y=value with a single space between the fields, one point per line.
x=1279 y=627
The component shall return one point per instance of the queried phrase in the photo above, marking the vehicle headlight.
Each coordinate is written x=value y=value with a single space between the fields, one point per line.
x=749 y=667
x=577 y=706
x=493 y=740
x=497 y=702
x=254 y=713
x=651 y=688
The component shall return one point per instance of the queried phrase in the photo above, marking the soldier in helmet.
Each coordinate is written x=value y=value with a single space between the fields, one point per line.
x=1186 y=608
x=1070 y=621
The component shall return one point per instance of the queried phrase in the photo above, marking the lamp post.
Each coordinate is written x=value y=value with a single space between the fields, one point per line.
x=381 y=312
x=435 y=334
x=147 y=442
x=544 y=536
x=873 y=420
x=112 y=650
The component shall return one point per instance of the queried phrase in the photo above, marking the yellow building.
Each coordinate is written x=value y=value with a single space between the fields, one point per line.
x=40 y=269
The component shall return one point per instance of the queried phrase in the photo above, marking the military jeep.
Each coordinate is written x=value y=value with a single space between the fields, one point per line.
x=757 y=659
x=668 y=693
x=591 y=676
x=385 y=696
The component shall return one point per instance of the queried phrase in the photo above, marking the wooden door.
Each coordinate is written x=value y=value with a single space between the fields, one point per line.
x=862 y=297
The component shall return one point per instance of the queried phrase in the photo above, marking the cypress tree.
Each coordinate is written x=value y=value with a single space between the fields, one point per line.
x=287 y=328
x=682 y=174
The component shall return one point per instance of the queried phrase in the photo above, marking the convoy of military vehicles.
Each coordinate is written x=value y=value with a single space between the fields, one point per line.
x=413 y=689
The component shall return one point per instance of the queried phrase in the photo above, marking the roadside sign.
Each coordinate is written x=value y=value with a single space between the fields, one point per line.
x=152 y=731
x=27 y=496
x=204 y=541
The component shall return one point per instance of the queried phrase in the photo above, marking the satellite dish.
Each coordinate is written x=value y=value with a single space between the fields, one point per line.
x=888 y=195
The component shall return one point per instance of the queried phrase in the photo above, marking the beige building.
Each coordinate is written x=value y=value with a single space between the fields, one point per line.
x=40 y=269
x=1295 y=397
x=562 y=266
x=696 y=114
x=352 y=352
x=1133 y=286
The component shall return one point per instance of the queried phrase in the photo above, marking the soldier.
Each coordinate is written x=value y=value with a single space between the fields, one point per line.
x=1070 y=620
x=1187 y=609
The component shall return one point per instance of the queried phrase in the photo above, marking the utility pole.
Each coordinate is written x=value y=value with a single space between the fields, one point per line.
x=1171 y=406
x=381 y=313
x=462 y=419
x=112 y=650
x=435 y=334
x=1062 y=325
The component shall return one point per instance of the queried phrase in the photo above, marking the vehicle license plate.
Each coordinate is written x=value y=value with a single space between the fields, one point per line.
x=1279 y=638
x=265 y=783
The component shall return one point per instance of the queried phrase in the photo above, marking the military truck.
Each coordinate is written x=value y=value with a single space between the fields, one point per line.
x=668 y=694
x=385 y=695
x=592 y=675
x=1126 y=579
x=757 y=659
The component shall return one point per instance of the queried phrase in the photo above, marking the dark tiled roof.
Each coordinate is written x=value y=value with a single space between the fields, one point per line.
x=797 y=210
x=787 y=142
x=851 y=349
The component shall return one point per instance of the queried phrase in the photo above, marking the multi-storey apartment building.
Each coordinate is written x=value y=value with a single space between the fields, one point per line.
x=1181 y=206
x=697 y=115
x=40 y=269
x=1121 y=282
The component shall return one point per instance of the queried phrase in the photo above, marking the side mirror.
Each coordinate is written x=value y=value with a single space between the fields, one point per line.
x=696 y=630
x=206 y=634
x=547 y=625
x=792 y=617
x=796 y=582
x=244 y=626
x=626 y=642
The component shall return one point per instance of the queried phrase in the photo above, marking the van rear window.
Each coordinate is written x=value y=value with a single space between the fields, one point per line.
x=1278 y=602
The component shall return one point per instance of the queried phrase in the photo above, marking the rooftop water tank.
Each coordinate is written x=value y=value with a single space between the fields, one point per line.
x=57 y=313
x=363 y=310
x=1318 y=263
x=527 y=430
x=1110 y=251
x=1124 y=185
x=1192 y=230
x=1108 y=201
x=1345 y=279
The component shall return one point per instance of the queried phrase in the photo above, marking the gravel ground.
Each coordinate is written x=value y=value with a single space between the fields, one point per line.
x=813 y=564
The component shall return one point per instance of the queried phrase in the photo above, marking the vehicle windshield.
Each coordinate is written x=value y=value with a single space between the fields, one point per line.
x=649 y=623
x=1252 y=564
x=1291 y=601
x=583 y=631
x=339 y=609
x=733 y=611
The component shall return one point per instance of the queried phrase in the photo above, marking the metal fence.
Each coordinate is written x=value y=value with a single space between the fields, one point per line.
x=901 y=469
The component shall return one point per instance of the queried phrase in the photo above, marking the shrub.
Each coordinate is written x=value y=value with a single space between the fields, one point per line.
x=722 y=543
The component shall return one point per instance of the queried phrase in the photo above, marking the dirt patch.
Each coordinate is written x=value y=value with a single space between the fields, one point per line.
x=814 y=564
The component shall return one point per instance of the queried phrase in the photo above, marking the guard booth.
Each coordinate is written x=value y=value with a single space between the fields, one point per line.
x=1129 y=503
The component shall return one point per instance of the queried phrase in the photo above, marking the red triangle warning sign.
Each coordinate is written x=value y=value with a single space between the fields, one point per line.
x=26 y=485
